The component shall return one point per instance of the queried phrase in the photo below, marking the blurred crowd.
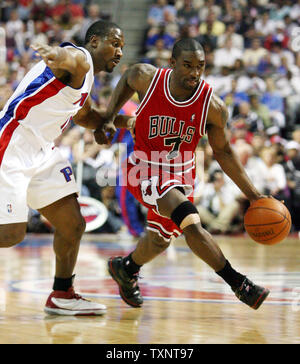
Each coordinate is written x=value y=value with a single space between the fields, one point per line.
x=252 y=51
x=253 y=63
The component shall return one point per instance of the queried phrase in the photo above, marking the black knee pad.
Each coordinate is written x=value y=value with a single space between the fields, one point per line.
x=182 y=211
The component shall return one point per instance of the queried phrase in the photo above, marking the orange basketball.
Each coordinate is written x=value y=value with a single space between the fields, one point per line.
x=267 y=221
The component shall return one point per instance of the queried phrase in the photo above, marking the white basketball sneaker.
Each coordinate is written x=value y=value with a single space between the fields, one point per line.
x=71 y=304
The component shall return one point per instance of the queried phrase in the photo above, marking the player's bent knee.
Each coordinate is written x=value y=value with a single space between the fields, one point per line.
x=185 y=214
x=79 y=228
x=196 y=230
x=9 y=238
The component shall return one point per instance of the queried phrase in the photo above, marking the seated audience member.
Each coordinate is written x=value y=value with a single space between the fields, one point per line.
x=292 y=170
x=274 y=175
x=217 y=207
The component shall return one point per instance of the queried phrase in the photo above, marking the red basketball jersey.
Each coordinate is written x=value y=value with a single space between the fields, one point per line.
x=168 y=131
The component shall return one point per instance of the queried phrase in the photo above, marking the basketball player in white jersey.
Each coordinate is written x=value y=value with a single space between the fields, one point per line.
x=33 y=172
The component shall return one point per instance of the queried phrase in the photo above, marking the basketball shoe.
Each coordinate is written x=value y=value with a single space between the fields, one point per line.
x=128 y=287
x=71 y=304
x=251 y=294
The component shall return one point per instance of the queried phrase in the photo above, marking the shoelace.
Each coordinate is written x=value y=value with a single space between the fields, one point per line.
x=135 y=278
x=247 y=286
x=77 y=296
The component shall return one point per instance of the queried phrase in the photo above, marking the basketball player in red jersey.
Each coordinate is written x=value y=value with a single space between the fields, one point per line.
x=177 y=108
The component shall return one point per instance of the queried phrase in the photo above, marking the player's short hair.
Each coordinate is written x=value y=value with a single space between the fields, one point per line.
x=101 y=28
x=185 y=44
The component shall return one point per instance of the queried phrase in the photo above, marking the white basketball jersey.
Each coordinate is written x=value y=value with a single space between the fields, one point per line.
x=43 y=104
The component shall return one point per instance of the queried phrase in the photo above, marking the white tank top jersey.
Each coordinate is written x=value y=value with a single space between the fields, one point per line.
x=43 y=104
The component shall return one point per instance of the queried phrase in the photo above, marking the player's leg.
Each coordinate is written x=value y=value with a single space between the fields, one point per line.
x=13 y=201
x=69 y=225
x=148 y=247
x=52 y=191
x=197 y=238
x=124 y=270
x=184 y=214
x=12 y=234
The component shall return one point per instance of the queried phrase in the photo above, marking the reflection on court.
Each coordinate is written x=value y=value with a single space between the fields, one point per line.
x=185 y=302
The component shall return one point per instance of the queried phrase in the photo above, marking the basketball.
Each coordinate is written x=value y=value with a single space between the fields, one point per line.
x=267 y=221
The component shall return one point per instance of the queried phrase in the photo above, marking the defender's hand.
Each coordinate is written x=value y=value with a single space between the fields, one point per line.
x=52 y=56
x=105 y=133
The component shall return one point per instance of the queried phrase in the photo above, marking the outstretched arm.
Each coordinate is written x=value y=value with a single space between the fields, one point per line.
x=71 y=61
x=64 y=62
x=229 y=162
x=90 y=117
x=136 y=79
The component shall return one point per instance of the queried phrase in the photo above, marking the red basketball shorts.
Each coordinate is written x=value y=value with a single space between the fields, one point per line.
x=149 y=183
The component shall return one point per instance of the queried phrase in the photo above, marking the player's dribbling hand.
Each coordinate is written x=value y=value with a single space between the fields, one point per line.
x=265 y=196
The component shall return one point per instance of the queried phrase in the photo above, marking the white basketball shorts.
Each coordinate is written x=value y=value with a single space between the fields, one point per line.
x=30 y=176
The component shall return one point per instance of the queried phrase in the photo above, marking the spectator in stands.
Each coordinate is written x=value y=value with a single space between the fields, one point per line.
x=289 y=88
x=237 y=39
x=159 y=56
x=252 y=56
x=93 y=14
x=42 y=11
x=208 y=39
x=65 y=12
x=114 y=222
x=221 y=82
x=227 y=55
x=258 y=143
x=250 y=81
x=242 y=23
x=2 y=47
x=156 y=12
x=239 y=131
x=289 y=24
x=24 y=9
x=5 y=93
x=274 y=175
x=233 y=98
x=252 y=164
x=296 y=136
x=250 y=117
x=168 y=33
x=292 y=170
x=210 y=6
x=264 y=25
x=280 y=36
x=274 y=102
x=187 y=14
x=171 y=28
x=90 y=159
x=14 y=26
x=260 y=110
x=277 y=53
x=265 y=66
x=295 y=11
x=217 y=26
x=218 y=206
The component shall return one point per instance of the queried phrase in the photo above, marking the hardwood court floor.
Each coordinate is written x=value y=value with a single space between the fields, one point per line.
x=185 y=302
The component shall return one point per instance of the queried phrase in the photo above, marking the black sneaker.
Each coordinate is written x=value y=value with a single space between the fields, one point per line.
x=128 y=287
x=251 y=294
